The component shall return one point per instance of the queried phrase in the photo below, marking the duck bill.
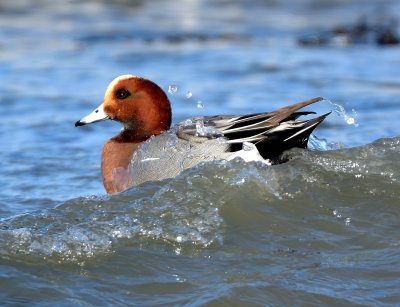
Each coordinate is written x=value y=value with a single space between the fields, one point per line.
x=96 y=116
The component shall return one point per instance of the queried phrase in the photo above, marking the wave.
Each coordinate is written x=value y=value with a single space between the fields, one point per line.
x=217 y=203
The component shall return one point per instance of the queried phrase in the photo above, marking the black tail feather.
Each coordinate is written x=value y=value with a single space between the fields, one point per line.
x=276 y=142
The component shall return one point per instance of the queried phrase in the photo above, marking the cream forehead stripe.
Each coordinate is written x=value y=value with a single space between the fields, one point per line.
x=119 y=78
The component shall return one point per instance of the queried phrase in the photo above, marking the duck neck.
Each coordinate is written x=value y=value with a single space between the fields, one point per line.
x=133 y=136
x=116 y=158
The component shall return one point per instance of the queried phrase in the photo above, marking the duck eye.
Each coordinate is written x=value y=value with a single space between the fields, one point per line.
x=122 y=93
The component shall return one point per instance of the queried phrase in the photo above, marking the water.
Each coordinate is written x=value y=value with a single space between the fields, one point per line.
x=200 y=104
x=172 y=89
x=321 y=229
x=189 y=94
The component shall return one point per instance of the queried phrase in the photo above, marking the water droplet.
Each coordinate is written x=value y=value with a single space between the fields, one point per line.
x=188 y=122
x=241 y=181
x=350 y=121
x=172 y=89
x=189 y=94
x=200 y=104
x=179 y=238
x=347 y=221
x=221 y=140
x=247 y=146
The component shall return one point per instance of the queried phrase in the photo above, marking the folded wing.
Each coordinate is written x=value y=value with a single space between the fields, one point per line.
x=271 y=132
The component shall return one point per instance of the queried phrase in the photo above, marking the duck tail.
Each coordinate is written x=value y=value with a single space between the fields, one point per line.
x=288 y=135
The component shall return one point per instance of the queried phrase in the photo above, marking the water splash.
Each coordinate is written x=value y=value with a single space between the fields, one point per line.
x=315 y=143
x=200 y=104
x=88 y=227
x=339 y=215
x=340 y=110
x=200 y=127
x=188 y=122
x=336 y=213
x=172 y=89
x=202 y=130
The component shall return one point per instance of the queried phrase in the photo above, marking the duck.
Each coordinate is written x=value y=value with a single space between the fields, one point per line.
x=148 y=148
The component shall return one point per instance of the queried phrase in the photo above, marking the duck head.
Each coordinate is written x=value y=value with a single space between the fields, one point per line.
x=139 y=104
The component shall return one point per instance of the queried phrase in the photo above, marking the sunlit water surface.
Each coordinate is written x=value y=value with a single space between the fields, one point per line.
x=321 y=229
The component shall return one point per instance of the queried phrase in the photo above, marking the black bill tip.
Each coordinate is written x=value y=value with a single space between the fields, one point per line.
x=79 y=123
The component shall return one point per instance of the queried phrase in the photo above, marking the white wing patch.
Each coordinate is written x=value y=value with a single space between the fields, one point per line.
x=249 y=153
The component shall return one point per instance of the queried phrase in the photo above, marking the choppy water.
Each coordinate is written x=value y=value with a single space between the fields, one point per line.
x=322 y=228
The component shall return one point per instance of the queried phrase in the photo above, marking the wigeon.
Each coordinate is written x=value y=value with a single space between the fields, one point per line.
x=148 y=149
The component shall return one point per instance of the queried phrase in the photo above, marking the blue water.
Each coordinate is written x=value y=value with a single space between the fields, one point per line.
x=320 y=229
